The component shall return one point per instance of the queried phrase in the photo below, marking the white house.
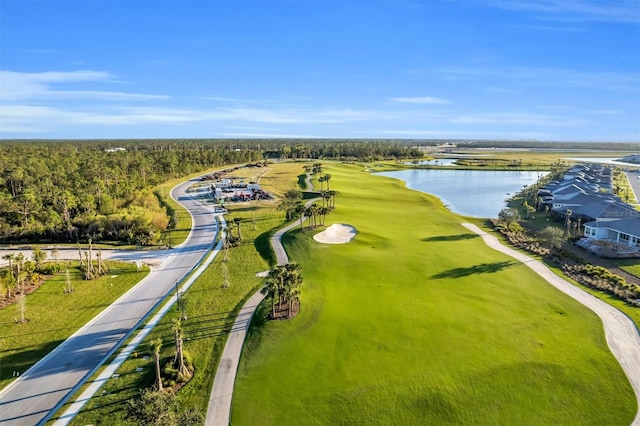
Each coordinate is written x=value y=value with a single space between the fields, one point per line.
x=619 y=230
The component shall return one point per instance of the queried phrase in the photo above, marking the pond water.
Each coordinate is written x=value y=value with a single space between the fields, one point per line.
x=477 y=193
x=436 y=162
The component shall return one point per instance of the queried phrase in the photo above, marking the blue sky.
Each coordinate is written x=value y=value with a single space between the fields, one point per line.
x=486 y=69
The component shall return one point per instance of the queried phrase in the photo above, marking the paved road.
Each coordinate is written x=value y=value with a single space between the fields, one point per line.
x=621 y=333
x=44 y=387
x=634 y=181
x=150 y=257
x=219 y=410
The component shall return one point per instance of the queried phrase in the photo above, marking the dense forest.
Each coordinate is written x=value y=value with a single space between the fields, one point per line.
x=61 y=191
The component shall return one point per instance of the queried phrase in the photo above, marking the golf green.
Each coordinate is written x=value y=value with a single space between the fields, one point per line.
x=416 y=321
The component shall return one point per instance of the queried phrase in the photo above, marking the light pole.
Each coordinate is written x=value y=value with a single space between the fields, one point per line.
x=177 y=296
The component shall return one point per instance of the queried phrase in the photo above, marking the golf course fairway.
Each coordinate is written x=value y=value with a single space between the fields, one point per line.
x=416 y=321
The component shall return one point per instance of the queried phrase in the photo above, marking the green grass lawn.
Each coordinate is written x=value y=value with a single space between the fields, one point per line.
x=53 y=316
x=416 y=321
x=632 y=266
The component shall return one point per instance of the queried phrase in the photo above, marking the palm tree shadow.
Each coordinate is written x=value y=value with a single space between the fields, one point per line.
x=458 y=237
x=483 y=268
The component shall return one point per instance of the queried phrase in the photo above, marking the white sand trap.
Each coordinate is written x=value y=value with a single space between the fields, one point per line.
x=336 y=234
x=262 y=274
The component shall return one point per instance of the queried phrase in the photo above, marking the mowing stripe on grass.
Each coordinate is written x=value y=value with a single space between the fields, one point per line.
x=621 y=333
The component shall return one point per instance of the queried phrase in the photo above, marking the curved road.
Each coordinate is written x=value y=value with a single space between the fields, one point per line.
x=42 y=389
x=219 y=410
x=621 y=333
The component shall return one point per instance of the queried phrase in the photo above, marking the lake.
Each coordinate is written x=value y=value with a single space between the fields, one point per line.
x=477 y=193
x=436 y=162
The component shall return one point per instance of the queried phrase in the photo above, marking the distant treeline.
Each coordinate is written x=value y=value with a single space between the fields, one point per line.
x=72 y=191
x=578 y=146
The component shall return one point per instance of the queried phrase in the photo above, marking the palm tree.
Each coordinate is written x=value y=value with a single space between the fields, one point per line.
x=333 y=195
x=327 y=178
x=10 y=258
x=238 y=222
x=308 y=212
x=578 y=224
x=9 y=283
x=38 y=257
x=323 y=212
x=156 y=345
x=313 y=214
x=178 y=362
x=291 y=295
x=10 y=279
x=300 y=210
x=326 y=197
x=321 y=179
x=567 y=222
x=271 y=289
x=291 y=283
x=20 y=277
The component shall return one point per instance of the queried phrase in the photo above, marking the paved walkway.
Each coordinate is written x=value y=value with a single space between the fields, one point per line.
x=219 y=411
x=621 y=333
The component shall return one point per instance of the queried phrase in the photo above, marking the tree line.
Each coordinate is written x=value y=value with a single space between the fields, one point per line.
x=73 y=191
x=76 y=191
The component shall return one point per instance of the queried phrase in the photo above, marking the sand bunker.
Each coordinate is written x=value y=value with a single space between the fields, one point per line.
x=336 y=234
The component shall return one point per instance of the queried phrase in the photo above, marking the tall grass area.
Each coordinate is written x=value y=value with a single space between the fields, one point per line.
x=416 y=321
x=54 y=316
x=211 y=311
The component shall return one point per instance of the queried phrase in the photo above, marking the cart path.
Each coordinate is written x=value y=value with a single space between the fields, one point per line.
x=621 y=333
x=219 y=410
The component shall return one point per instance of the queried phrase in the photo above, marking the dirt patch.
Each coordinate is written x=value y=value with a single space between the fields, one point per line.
x=284 y=314
x=28 y=289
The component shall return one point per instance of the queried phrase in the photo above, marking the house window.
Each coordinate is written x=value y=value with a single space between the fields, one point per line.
x=624 y=237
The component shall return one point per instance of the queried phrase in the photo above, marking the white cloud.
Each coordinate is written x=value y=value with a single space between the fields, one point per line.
x=422 y=100
x=519 y=119
x=548 y=77
x=267 y=135
x=38 y=118
x=39 y=86
x=455 y=134
x=231 y=100
x=575 y=10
